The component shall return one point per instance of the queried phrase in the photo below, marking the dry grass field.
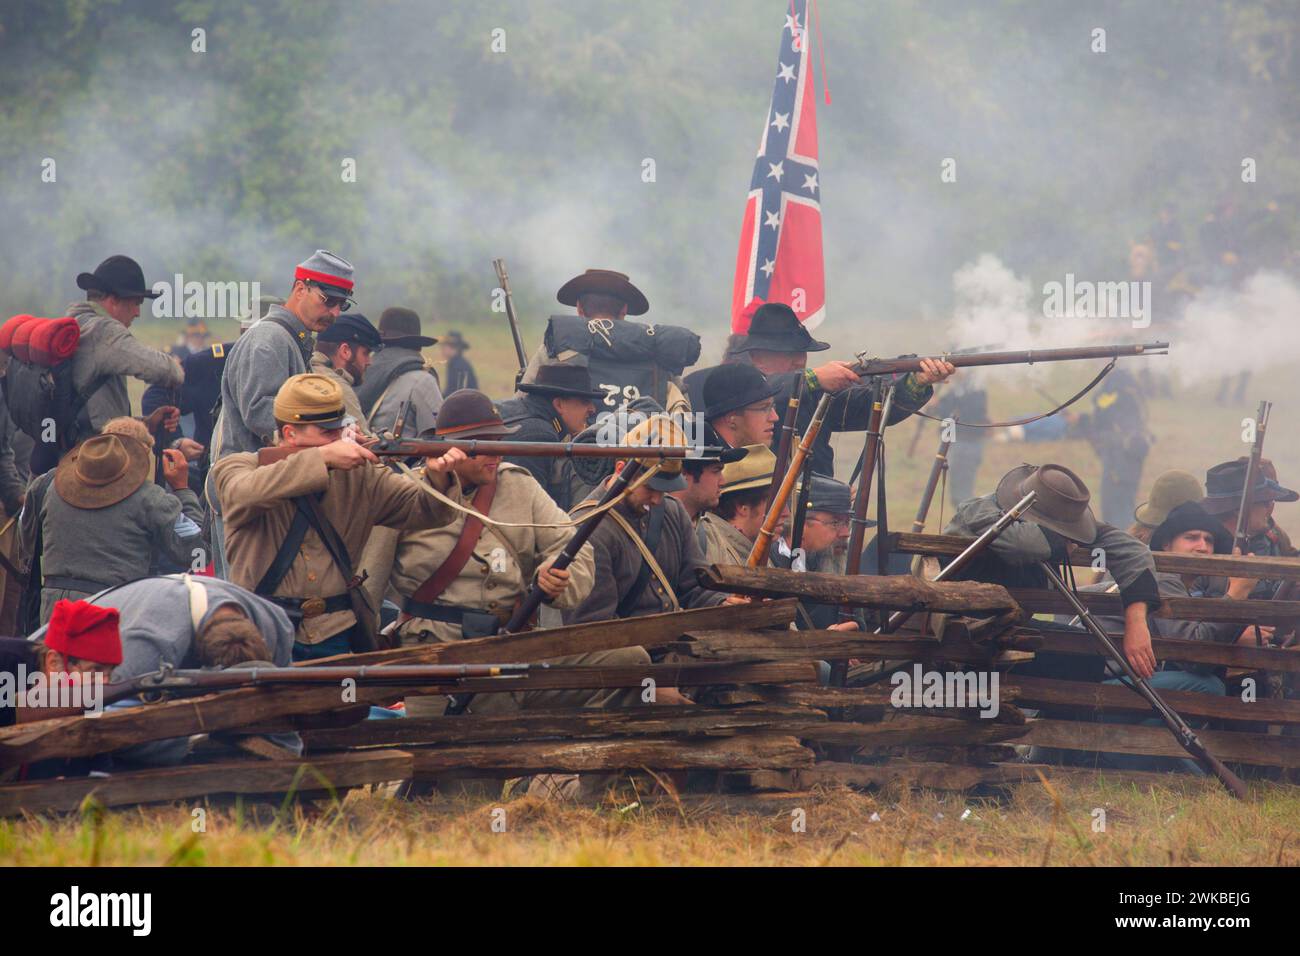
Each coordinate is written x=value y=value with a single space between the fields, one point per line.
x=1185 y=823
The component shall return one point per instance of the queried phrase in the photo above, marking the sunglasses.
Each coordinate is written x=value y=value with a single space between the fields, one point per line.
x=332 y=301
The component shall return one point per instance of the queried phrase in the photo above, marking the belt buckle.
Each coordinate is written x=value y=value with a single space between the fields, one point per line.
x=313 y=607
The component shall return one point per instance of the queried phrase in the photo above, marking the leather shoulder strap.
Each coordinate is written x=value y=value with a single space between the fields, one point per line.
x=449 y=570
x=283 y=559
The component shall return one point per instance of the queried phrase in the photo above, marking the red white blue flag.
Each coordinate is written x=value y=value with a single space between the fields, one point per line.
x=780 y=255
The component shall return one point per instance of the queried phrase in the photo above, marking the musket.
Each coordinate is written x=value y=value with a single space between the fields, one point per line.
x=524 y=612
x=912 y=363
x=167 y=681
x=870 y=455
x=968 y=554
x=787 y=437
x=763 y=543
x=412 y=448
x=500 y=266
x=937 y=468
x=1184 y=734
x=1241 y=537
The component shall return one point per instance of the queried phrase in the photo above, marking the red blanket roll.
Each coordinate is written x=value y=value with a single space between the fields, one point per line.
x=10 y=327
x=20 y=346
x=54 y=340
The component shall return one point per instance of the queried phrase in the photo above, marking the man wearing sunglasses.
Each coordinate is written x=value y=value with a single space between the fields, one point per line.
x=268 y=355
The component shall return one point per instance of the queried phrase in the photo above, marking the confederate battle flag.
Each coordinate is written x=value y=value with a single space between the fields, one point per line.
x=780 y=256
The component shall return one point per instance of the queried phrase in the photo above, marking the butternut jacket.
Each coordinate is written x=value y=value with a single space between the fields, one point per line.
x=502 y=566
x=257 y=506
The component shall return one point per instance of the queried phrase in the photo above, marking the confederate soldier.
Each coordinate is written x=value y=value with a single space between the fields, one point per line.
x=703 y=477
x=739 y=404
x=553 y=407
x=272 y=350
x=1223 y=487
x=644 y=546
x=729 y=532
x=464 y=580
x=460 y=374
x=292 y=526
x=101 y=518
x=108 y=353
x=1186 y=529
x=400 y=376
x=963 y=401
x=1060 y=515
x=345 y=351
x=628 y=360
x=81 y=642
x=825 y=534
x=777 y=345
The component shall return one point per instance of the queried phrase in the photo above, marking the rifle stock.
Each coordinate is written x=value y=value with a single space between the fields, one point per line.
x=937 y=468
x=861 y=502
x=763 y=543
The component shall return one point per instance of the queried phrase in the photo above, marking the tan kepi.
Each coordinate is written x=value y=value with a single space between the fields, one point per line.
x=102 y=471
x=310 y=399
x=1062 y=503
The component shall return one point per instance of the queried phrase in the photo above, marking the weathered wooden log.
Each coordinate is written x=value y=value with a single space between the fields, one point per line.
x=895 y=593
x=651 y=630
x=82 y=736
x=1208 y=565
x=1112 y=698
x=535 y=725
x=1037 y=601
x=806 y=645
x=1187 y=652
x=909 y=730
x=327 y=771
x=874 y=701
x=1231 y=746
x=746 y=752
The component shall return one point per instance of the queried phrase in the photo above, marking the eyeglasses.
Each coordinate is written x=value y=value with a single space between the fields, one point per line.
x=332 y=301
x=836 y=523
x=761 y=409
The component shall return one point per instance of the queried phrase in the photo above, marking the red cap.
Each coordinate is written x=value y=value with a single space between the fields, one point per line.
x=85 y=631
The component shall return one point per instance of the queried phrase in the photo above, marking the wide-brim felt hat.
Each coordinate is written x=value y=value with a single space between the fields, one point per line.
x=117 y=275
x=729 y=387
x=604 y=282
x=1169 y=490
x=562 y=381
x=1224 y=483
x=102 y=470
x=776 y=328
x=1062 y=503
x=468 y=413
x=400 y=328
x=1190 y=516
x=455 y=338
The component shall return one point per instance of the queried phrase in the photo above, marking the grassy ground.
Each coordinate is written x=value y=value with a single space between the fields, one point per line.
x=1182 y=824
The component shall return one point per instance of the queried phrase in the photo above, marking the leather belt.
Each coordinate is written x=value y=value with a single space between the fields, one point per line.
x=313 y=607
x=448 y=614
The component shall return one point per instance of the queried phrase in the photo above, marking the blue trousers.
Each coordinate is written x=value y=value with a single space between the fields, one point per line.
x=338 y=644
x=1162 y=680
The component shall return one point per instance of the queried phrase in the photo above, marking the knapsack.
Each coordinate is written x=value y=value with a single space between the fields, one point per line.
x=38 y=382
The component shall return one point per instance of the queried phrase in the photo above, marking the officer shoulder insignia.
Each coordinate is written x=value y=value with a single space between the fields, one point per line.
x=218 y=350
x=1107 y=399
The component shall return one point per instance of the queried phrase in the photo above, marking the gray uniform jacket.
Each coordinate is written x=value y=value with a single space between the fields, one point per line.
x=108 y=349
x=618 y=562
x=383 y=392
x=1013 y=557
x=1171 y=585
x=101 y=547
x=256 y=366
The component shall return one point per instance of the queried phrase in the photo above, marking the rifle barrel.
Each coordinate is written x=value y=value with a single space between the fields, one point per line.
x=1241 y=537
x=877 y=366
x=500 y=266
x=931 y=485
x=763 y=543
x=539 y=449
